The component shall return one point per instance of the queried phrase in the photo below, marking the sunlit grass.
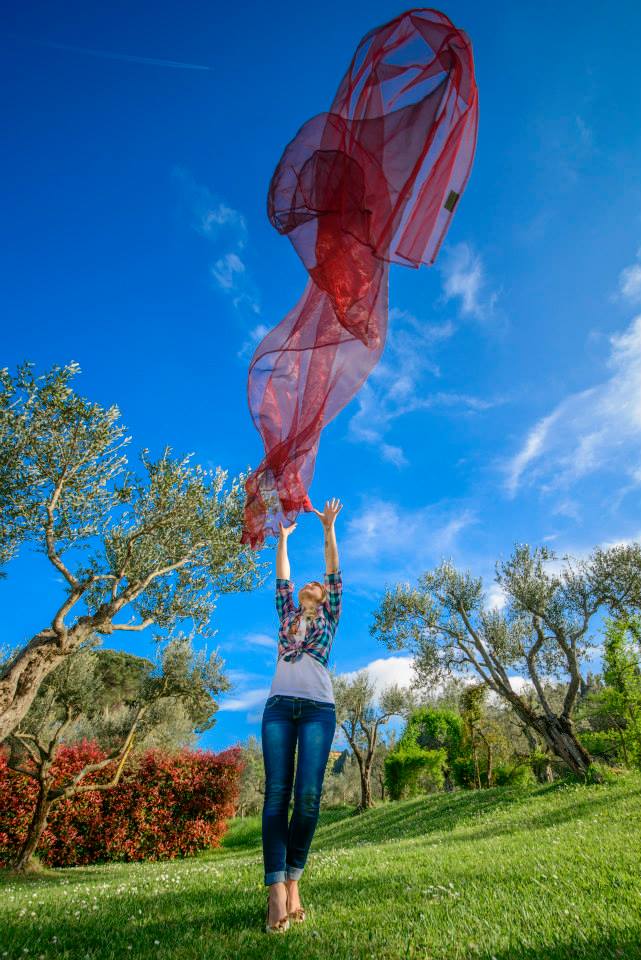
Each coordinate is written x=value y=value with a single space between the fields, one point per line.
x=546 y=872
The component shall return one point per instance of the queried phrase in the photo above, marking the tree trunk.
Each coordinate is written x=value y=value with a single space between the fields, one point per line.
x=558 y=733
x=21 y=678
x=36 y=827
x=477 y=772
x=366 y=790
x=624 y=747
x=490 y=771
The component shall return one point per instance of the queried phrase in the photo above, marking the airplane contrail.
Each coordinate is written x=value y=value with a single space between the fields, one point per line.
x=109 y=55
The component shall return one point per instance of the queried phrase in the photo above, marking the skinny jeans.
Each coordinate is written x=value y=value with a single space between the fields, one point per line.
x=286 y=722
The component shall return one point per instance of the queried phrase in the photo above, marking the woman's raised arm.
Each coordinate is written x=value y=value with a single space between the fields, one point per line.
x=282 y=559
x=328 y=517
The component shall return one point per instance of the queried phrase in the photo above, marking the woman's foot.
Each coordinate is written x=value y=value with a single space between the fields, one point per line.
x=277 y=910
x=294 y=909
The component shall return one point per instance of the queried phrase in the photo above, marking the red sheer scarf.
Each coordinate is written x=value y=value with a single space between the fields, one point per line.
x=373 y=181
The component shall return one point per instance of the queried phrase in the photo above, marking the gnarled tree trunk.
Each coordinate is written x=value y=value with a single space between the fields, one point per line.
x=35 y=830
x=22 y=676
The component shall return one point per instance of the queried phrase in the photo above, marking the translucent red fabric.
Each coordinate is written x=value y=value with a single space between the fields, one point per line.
x=373 y=181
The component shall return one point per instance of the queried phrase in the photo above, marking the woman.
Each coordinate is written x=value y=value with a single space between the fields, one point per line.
x=300 y=709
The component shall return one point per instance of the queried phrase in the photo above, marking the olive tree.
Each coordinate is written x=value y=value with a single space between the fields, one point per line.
x=360 y=713
x=120 y=676
x=542 y=632
x=252 y=779
x=75 y=689
x=133 y=549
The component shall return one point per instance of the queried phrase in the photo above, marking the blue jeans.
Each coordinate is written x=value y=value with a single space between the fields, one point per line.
x=312 y=723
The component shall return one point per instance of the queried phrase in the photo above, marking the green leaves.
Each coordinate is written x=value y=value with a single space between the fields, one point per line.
x=163 y=541
x=541 y=634
x=159 y=544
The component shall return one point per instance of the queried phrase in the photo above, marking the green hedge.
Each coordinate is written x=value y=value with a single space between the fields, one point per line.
x=411 y=769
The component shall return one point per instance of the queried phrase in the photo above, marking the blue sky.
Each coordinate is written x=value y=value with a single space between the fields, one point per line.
x=506 y=406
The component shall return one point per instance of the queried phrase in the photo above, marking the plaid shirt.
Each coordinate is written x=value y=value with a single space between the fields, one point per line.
x=320 y=631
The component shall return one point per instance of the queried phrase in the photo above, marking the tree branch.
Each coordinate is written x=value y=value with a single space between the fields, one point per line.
x=497 y=679
x=531 y=665
x=36 y=752
x=50 y=537
x=133 y=626
x=27 y=773
x=73 y=788
x=134 y=591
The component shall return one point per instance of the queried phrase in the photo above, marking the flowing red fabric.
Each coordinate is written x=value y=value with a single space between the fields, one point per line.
x=373 y=181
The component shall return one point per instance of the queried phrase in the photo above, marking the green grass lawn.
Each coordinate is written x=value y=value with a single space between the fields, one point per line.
x=539 y=872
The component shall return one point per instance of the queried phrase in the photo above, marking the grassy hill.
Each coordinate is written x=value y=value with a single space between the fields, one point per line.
x=548 y=872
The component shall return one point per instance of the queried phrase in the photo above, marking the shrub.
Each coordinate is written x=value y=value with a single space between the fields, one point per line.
x=513 y=775
x=410 y=769
x=602 y=744
x=166 y=804
x=435 y=730
x=463 y=772
x=599 y=772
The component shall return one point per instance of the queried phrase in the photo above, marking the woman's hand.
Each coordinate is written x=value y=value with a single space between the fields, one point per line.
x=332 y=508
x=285 y=531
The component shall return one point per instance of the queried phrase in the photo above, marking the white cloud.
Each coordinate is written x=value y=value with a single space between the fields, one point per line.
x=219 y=214
x=630 y=281
x=531 y=449
x=225 y=270
x=595 y=429
x=400 y=670
x=496 y=597
x=393 y=454
x=385 y=671
x=258 y=640
x=383 y=527
x=256 y=334
x=209 y=215
x=246 y=700
x=226 y=229
x=394 y=387
x=463 y=278
x=586 y=137
x=385 y=543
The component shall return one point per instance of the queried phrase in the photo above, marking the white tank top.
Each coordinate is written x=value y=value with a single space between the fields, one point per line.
x=303 y=677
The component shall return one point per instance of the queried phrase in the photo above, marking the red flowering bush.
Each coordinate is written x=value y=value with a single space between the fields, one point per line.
x=165 y=805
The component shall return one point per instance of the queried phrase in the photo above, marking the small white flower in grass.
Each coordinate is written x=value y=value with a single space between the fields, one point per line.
x=157 y=942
